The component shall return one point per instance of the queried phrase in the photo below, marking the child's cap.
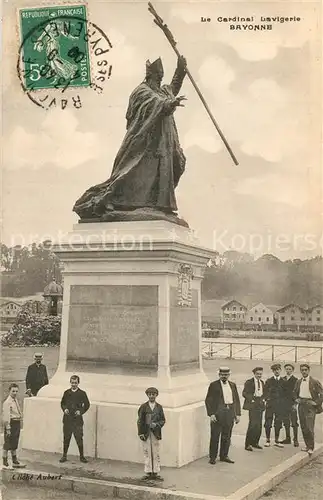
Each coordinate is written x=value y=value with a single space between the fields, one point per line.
x=152 y=390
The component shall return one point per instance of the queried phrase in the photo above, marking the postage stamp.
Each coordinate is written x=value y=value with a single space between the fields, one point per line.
x=61 y=49
x=56 y=51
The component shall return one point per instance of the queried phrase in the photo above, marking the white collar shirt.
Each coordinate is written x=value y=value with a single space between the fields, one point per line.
x=258 y=388
x=304 y=390
x=11 y=410
x=227 y=393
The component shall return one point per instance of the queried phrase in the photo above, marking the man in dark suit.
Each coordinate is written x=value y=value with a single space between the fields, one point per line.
x=74 y=404
x=274 y=394
x=36 y=376
x=308 y=394
x=290 y=412
x=254 y=402
x=223 y=407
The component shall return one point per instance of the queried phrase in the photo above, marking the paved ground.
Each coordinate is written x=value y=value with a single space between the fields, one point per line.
x=22 y=492
x=199 y=477
x=306 y=484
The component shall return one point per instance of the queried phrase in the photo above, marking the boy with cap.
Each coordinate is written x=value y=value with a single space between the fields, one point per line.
x=223 y=407
x=36 y=376
x=308 y=393
x=11 y=421
x=274 y=395
x=290 y=412
x=151 y=419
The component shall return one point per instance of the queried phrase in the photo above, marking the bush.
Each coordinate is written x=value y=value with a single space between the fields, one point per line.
x=33 y=329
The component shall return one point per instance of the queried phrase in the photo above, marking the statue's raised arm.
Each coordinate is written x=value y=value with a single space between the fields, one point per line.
x=179 y=75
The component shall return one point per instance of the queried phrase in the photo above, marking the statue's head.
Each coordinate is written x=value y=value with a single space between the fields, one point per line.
x=155 y=71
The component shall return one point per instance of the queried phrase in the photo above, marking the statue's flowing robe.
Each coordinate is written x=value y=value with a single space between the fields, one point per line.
x=150 y=161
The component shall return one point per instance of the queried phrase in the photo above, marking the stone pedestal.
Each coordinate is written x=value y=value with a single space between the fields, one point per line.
x=131 y=319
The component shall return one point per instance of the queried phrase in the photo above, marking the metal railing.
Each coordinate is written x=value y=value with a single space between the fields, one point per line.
x=243 y=350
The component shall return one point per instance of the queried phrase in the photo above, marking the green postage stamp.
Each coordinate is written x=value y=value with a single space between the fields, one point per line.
x=54 y=47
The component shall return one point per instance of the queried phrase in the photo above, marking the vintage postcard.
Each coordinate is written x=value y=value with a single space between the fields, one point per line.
x=161 y=303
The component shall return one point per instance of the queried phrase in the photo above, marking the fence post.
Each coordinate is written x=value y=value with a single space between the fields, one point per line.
x=230 y=355
x=296 y=357
x=250 y=351
x=211 y=349
x=272 y=352
x=321 y=356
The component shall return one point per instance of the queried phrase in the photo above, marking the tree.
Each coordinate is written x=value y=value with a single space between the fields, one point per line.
x=28 y=269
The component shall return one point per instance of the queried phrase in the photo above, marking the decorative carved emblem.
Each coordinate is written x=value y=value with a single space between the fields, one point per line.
x=185 y=285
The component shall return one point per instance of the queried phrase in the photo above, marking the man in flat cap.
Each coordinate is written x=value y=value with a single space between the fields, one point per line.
x=290 y=411
x=254 y=402
x=223 y=407
x=150 y=421
x=36 y=376
x=308 y=394
x=274 y=394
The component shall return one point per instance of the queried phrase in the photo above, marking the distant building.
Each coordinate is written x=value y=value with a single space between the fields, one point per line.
x=314 y=317
x=233 y=315
x=261 y=317
x=292 y=317
x=9 y=309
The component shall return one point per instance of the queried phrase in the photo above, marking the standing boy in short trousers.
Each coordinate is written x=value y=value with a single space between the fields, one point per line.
x=11 y=420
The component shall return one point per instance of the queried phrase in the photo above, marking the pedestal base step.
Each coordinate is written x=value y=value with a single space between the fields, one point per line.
x=110 y=431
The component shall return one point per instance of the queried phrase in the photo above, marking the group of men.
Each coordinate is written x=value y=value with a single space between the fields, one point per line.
x=278 y=398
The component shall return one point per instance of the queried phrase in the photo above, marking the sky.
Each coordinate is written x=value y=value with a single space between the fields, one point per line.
x=263 y=88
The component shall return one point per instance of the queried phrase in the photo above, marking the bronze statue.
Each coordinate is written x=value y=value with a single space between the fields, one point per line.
x=150 y=161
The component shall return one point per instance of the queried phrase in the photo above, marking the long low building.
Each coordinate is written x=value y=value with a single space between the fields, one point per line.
x=233 y=314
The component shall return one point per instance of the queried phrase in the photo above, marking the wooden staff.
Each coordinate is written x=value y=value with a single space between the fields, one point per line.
x=160 y=23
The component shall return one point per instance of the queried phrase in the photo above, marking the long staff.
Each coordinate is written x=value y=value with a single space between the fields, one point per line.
x=160 y=23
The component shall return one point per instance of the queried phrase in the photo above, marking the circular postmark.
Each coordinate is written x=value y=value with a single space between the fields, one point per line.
x=61 y=54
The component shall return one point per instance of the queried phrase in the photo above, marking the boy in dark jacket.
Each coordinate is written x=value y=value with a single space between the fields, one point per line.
x=274 y=395
x=290 y=411
x=151 y=419
x=74 y=404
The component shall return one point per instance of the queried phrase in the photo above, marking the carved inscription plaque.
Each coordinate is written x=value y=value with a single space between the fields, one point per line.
x=113 y=324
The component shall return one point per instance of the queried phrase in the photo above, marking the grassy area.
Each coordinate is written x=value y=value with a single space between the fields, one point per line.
x=14 y=364
x=15 y=360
